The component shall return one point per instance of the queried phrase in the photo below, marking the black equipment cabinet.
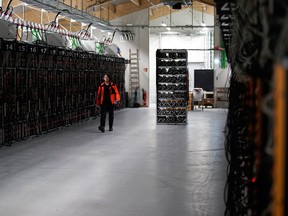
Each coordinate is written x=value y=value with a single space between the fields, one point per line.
x=172 y=86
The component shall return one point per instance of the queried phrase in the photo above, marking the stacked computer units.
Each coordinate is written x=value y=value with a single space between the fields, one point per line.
x=172 y=86
x=43 y=88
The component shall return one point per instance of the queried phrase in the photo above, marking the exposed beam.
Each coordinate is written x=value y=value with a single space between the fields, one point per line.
x=164 y=11
x=136 y=2
x=103 y=14
x=129 y=7
x=151 y=12
x=208 y=2
x=111 y=8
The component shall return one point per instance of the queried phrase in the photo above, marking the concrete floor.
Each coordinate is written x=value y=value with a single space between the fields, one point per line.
x=139 y=169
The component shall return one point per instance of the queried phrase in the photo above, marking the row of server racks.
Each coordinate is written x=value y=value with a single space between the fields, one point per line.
x=43 y=88
x=256 y=144
x=172 y=86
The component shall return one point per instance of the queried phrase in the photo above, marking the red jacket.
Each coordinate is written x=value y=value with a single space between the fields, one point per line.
x=114 y=93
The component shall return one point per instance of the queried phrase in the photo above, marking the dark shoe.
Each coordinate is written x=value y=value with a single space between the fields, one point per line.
x=111 y=129
x=101 y=129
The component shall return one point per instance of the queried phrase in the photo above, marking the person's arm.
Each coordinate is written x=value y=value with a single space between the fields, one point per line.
x=117 y=93
x=98 y=96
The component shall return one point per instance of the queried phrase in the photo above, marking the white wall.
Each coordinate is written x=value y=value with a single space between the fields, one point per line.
x=196 y=59
x=187 y=39
x=137 y=18
x=184 y=17
x=140 y=42
x=153 y=46
x=148 y=44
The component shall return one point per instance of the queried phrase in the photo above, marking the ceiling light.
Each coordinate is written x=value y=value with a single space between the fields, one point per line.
x=168 y=28
x=216 y=61
x=129 y=24
x=203 y=24
x=163 y=24
x=102 y=24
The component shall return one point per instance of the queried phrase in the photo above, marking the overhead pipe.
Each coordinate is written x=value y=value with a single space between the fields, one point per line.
x=8 y=6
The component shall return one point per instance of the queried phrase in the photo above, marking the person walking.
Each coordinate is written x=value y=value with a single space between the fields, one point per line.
x=107 y=96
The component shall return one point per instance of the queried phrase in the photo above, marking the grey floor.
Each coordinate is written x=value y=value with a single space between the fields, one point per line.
x=139 y=169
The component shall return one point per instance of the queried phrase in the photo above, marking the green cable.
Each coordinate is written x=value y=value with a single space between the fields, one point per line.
x=36 y=35
x=99 y=48
x=223 y=57
x=75 y=43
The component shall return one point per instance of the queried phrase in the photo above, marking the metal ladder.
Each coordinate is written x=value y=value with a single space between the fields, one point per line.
x=134 y=81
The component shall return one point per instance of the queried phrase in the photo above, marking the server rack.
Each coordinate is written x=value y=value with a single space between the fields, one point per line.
x=43 y=88
x=172 y=86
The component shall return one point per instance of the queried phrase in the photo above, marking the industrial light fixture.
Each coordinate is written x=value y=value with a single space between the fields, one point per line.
x=102 y=24
x=163 y=24
x=217 y=61
x=168 y=28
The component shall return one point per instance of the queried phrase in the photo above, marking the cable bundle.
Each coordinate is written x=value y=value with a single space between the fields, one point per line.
x=255 y=39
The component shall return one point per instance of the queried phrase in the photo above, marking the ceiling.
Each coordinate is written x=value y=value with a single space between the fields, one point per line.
x=98 y=10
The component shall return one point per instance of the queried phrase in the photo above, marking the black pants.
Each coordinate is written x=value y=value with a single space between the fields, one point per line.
x=104 y=109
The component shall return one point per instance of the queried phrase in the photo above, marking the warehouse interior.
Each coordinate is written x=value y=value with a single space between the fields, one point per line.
x=201 y=126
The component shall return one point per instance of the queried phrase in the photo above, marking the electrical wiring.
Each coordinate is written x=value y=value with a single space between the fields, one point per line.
x=257 y=40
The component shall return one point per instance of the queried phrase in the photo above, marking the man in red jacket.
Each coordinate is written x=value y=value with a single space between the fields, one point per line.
x=107 y=96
